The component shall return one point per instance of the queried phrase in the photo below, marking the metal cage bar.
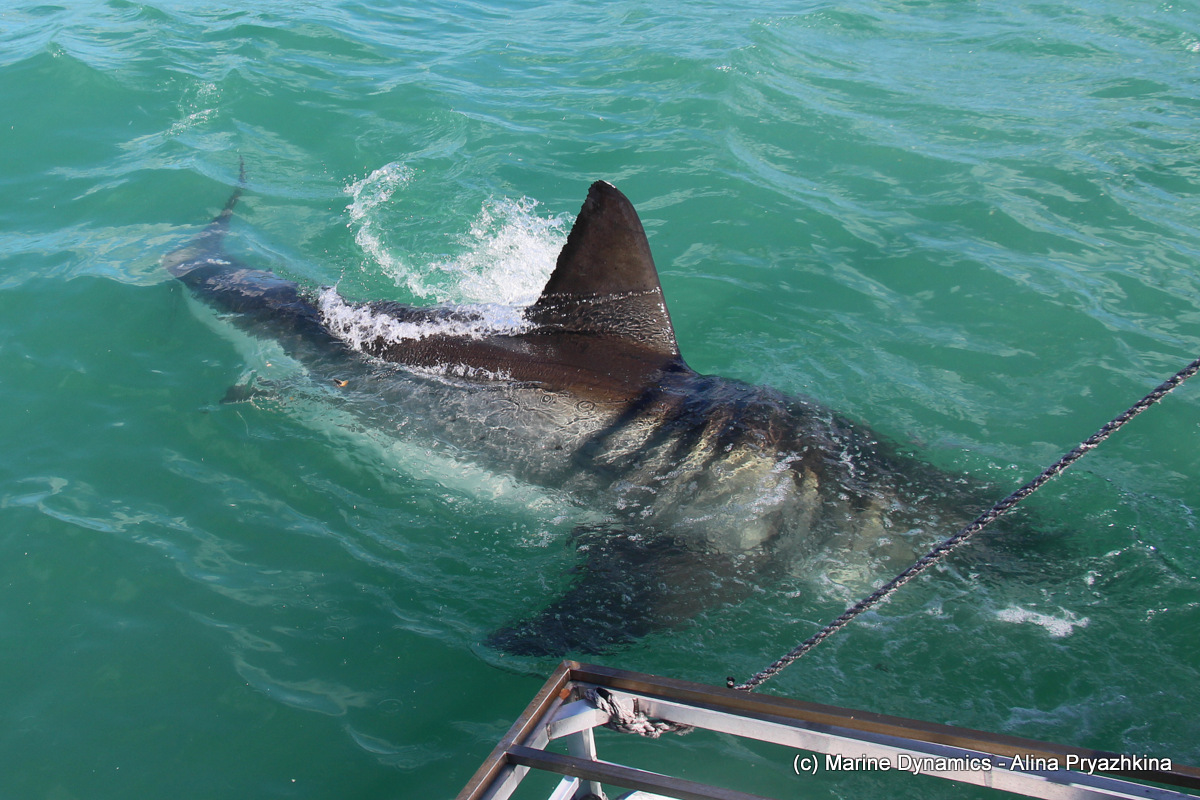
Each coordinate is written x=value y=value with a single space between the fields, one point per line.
x=959 y=754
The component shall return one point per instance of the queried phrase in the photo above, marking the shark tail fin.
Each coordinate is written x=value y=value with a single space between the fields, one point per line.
x=227 y=212
x=206 y=244
x=216 y=230
x=605 y=282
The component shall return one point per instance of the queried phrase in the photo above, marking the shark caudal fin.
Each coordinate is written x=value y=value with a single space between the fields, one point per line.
x=604 y=282
x=229 y=285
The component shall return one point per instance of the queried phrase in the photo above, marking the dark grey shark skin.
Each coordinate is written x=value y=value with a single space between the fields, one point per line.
x=708 y=488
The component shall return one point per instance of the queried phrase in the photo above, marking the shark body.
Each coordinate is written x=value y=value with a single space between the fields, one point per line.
x=706 y=487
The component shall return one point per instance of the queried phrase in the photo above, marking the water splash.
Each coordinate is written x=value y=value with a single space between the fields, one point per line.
x=506 y=256
x=509 y=254
x=370 y=194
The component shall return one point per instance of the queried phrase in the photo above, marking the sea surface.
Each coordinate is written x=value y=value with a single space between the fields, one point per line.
x=973 y=226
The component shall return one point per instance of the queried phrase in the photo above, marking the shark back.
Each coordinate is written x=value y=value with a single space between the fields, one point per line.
x=600 y=331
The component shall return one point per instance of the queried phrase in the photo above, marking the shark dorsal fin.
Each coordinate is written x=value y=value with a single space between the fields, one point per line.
x=604 y=282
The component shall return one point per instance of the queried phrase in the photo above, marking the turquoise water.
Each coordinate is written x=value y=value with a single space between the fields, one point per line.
x=974 y=226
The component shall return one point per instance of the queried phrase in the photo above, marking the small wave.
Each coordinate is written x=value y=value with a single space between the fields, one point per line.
x=307 y=694
x=397 y=756
x=198 y=107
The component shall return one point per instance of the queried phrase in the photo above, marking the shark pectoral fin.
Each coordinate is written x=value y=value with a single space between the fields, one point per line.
x=630 y=585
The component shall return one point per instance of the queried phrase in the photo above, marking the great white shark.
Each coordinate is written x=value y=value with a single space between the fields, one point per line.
x=706 y=488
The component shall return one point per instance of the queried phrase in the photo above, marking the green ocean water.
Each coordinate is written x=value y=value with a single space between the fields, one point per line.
x=973 y=226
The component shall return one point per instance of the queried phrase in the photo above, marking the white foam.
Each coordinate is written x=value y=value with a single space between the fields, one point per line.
x=1057 y=627
x=362 y=327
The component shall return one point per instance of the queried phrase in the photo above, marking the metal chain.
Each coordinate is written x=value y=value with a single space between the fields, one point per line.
x=944 y=549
